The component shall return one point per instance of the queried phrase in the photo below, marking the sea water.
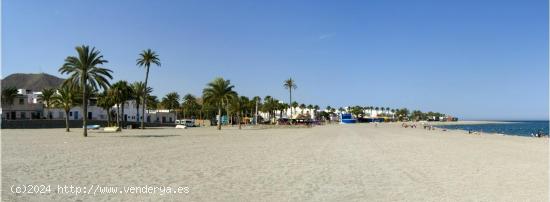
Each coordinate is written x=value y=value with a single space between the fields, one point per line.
x=521 y=128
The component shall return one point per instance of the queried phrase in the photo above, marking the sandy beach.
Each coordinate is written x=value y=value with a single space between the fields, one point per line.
x=358 y=162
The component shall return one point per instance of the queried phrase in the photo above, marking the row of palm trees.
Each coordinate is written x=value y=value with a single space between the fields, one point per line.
x=87 y=76
x=401 y=114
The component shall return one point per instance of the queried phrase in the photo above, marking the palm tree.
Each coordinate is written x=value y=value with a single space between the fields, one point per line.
x=171 y=102
x=140 y=91
x=285 y=107
x=189 y=102
x=257 y=101
x=290 y=84
x=266 y=106
x=106 y=102
x=154 y=102
x=121 y=92
x=302 y=107
x=316 y=109
x=46 y=97
x=66 y=98
x=85 y=70
x=237 y=105
x=245 y=103
x=146 y=58
x=293 y=106
x=8 y=94
x=219 y=93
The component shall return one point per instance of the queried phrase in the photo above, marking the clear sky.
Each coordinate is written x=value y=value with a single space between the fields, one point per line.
x=472 y=59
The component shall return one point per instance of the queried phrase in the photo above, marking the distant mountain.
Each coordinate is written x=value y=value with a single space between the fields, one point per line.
x=34 y=82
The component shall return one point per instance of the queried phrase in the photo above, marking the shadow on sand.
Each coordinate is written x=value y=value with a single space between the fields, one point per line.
x=147 y=136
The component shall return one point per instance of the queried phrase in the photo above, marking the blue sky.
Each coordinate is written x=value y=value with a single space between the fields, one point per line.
x=473 y=59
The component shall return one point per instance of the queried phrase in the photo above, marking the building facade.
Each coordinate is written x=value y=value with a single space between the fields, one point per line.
x=27 y=105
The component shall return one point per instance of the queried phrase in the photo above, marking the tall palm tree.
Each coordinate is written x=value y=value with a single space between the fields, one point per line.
x=146 y=58
x=290 y=85
x=140 y=91
x=67 y=97
x=46 y=98
x=121 y=92
x=219 y=93
x=171 y=102
x=85 y=70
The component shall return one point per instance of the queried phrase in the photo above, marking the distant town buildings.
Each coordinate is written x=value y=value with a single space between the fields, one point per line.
x=27 y=106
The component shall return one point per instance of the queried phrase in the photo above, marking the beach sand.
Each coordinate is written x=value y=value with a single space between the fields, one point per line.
x=358 y=162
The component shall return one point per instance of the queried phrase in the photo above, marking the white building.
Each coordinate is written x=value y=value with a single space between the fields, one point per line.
x=28 y=105
x=133 y=114
x=22 y=106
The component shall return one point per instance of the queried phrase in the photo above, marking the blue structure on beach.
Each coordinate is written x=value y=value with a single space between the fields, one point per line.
x=347 y=119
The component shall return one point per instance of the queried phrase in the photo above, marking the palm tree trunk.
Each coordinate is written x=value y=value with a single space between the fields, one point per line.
x=122 y=115
x=200 y=117
x=137 y=111
x=219 y=118
x=239 y=120
x=291 y=113
x=118 y=114
x=84 y=107
x=67 y=121
x=256 y=115
x=108 y=117
x=144 y=98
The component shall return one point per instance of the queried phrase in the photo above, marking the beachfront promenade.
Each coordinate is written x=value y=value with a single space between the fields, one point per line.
x=358 y=162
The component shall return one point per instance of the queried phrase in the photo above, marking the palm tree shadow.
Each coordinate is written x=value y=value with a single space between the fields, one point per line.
x=147 y=136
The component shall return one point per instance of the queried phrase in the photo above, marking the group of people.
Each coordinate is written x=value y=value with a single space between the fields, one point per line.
x=405 y=125
x=470 y=131
x=538 y=134
x=429 y=127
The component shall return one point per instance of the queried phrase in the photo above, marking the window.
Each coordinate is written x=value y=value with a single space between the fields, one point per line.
x=21 y=101
x=70 y=113
x=23 y=115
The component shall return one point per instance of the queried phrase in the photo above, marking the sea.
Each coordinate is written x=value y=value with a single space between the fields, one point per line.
x=519 y=128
